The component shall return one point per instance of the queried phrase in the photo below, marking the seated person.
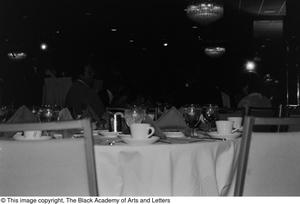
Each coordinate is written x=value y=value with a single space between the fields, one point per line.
x=254 y=98
x=82 y=97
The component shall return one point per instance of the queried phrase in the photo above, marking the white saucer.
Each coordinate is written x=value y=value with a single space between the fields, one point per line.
x=230 y=136
x=174 y=134
x=109 y=134
x=130 y=141
x=22 y=138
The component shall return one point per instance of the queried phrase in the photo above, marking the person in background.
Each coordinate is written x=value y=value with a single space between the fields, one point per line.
x=106 y=94
x=82 y=97
x=254 y=97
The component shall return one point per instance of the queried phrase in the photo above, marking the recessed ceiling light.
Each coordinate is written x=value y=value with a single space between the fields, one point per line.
x=44 y=46
x=114 y=29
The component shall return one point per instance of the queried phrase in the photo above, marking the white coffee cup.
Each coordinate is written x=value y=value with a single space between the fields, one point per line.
x=141 y=130
x=32 y=134
x=224 y=127
x=237 y=122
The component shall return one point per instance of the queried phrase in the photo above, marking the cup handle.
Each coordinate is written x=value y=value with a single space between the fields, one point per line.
x=235 y=130
x=152 y=131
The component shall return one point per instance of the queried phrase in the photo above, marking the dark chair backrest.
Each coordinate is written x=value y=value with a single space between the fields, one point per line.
x=264 y=112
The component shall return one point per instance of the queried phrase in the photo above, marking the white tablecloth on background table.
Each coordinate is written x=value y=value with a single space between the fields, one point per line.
x=195 y=169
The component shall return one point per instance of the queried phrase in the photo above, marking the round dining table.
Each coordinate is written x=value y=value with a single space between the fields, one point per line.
x=198 y=168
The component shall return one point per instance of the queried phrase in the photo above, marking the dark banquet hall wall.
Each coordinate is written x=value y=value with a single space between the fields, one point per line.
x=180 y=73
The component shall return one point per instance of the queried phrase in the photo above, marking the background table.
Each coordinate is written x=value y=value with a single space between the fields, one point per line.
x=195 y=169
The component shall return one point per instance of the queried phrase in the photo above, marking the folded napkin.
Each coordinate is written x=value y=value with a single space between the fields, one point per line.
x=65 y=114
x=171 y=120
x=22 y=115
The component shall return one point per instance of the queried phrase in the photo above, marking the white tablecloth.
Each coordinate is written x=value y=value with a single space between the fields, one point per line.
x=195 y=169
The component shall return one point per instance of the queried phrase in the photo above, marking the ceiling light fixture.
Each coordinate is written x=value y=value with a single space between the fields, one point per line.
x=205 y=11
x=16 y=55
x=215 y=51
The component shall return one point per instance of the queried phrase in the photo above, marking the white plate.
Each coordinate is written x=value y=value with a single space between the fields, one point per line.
x=22 y=138
x=95 y=132
x=230 y=136
x=174 y=134
x=109 y=134
x=130 y=141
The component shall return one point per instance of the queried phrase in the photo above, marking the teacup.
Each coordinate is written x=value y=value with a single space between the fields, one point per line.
x=224 y=127
x=32 y=134
x=237 y=122
x=141 y=131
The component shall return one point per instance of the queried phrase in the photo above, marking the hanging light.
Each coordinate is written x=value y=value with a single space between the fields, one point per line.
x=205 y=11
x=16 y=55
x=214 y=51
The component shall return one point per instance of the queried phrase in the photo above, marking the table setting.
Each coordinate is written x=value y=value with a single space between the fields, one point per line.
x=189 y=124
x=174 y=126
x=138 y=156
x=172 y=161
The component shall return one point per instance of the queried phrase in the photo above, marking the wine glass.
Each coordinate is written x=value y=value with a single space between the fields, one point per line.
x=3 y=113
x=48 y=113
x=134 y=115
x=191 y=114
x=210 y=115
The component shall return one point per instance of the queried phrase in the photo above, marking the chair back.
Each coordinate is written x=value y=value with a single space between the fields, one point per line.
x=264 y=112
x=268 y=163
x=293 y=112
x=57 y=167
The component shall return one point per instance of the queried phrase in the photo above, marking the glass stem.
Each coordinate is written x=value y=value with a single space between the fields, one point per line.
x=192 y=132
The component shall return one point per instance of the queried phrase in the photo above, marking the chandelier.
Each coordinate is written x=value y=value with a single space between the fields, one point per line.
x=214 y=51
x=204 y=11
x=16 y=55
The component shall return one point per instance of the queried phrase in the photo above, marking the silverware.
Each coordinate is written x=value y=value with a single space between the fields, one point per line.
x=165 y=141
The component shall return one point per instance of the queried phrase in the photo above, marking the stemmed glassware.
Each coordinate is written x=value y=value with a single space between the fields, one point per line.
x=210 y=115
x=6 y=112
x=191 y=114
x=3 y=113
x=47 y=113
x=134 y=115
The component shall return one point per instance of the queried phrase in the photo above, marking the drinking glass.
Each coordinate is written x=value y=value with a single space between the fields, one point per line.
x=191 y=114
x=48 y=113
x=210 y=115
x=3 y=113
x=134 y=115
